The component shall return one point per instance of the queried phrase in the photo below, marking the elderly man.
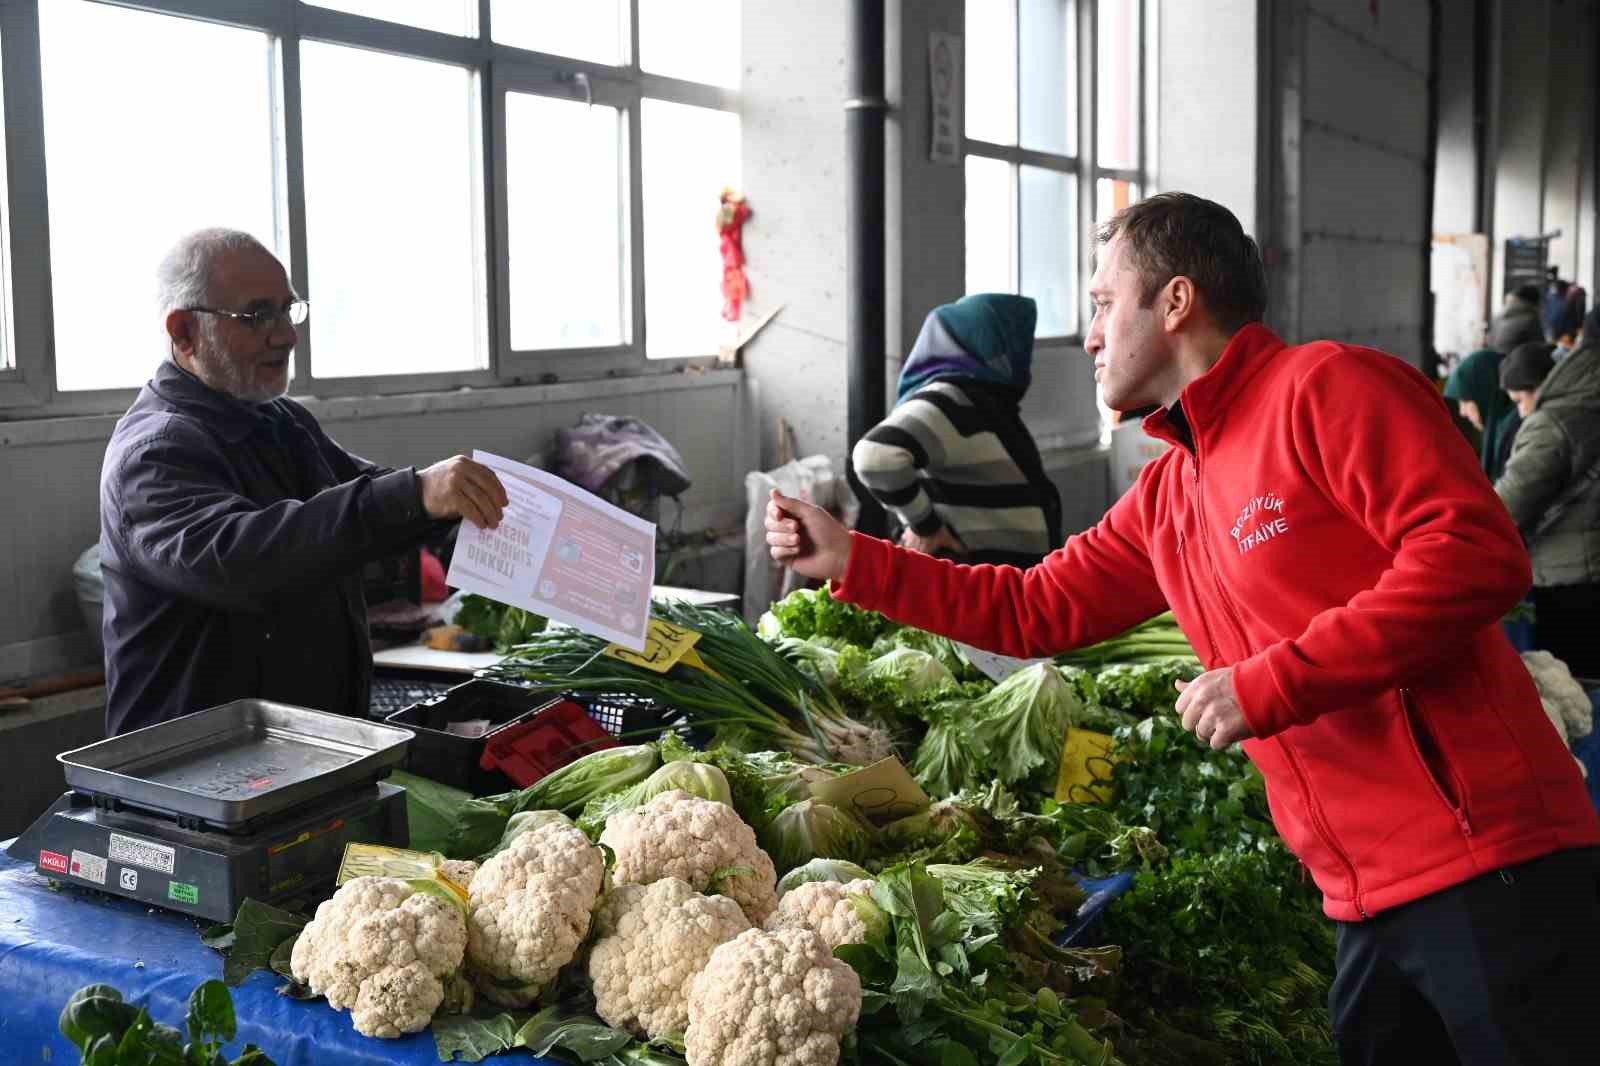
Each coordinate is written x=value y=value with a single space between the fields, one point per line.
x=232 y=528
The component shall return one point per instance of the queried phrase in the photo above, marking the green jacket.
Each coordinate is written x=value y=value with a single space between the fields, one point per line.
x=1550 y=483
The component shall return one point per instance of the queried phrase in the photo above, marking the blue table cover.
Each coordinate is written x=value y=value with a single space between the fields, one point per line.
x=54 y=943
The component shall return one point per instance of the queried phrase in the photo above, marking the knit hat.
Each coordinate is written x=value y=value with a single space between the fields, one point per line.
x=1527 y=366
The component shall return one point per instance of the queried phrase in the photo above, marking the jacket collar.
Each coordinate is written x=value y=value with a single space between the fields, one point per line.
x=233 y=419
x=1206 y=397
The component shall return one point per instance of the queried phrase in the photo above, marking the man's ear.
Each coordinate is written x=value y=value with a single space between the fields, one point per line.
x=183 y=330
x=1177 y=303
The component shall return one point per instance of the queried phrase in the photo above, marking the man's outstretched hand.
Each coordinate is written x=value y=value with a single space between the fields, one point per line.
x=459 y=487
x=806 y=538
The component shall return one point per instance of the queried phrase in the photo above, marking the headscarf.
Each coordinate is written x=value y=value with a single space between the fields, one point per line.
x=1477 y=378
x=986 y=337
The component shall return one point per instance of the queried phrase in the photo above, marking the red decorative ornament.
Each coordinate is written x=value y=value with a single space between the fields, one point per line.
x=731 y=217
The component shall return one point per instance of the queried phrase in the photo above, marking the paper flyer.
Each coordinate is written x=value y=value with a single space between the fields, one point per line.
x=563 y=553
x=995 y=667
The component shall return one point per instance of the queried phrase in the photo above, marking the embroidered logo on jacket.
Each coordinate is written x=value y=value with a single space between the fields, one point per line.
x=1260 y=521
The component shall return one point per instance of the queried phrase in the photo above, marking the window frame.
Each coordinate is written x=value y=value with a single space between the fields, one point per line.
x=28 y=388
x=1084 y=165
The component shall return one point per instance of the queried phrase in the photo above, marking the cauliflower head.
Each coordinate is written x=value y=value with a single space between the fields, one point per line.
x=382 y=950
x=826 y=908
x=654 y=940
x=771 y=999
x=529 y=910
x=684 y=836
x=461 y=871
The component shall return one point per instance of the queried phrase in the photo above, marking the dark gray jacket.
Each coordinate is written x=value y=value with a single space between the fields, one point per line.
x=232 y=539
x=1548 y=484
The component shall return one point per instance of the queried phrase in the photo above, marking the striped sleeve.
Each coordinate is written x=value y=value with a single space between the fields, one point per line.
x=888 y=459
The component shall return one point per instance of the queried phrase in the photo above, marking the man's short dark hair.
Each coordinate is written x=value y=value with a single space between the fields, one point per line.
x=1178 y=233
x=1528 y=294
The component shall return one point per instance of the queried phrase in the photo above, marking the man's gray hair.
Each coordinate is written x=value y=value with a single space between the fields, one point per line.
x=184 y=277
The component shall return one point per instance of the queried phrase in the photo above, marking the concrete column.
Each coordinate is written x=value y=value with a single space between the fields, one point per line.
x=793 y=92
x=1459 y=170
x=1207 y=74
x=1524 y=41
x=1568 y=126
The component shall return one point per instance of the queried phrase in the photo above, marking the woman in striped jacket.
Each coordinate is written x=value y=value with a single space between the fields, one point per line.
x=953 y=460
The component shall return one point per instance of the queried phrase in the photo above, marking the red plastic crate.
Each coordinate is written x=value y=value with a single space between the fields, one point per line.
x=553 y=737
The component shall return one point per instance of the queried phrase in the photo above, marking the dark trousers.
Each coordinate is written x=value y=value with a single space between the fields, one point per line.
x=1565 y=625
x=1502 y=970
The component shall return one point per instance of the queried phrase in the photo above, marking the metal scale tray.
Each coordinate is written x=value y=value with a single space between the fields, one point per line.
x=236 y=765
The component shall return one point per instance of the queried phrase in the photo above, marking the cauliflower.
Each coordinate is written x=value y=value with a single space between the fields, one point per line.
x=459 y=871
x=827 y=908
x=701 y=841
x=654 y=940
x=1565 y=702
x=529 y=911
x=771 y=999
x=382 y=949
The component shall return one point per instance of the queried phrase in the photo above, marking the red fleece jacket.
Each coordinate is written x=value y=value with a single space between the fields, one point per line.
x=1331 y=536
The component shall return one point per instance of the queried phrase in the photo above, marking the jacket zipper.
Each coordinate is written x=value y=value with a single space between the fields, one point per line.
x=1456 y=806
x=1313 y=808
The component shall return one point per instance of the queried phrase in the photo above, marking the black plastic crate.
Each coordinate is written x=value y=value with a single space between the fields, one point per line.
x=633 y=718
x=452 y=759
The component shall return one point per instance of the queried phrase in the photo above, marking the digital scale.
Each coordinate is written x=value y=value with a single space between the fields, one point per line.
x=251 y=799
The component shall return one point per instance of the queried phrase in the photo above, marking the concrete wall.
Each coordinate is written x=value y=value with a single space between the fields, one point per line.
x=1569 y=133
x=1523 y=95
x=1208 y=78
x=1349 y=105
x=1459 y=170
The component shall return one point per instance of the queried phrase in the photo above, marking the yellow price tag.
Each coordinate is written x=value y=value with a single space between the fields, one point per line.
x=665 y=645
x=1085 y=775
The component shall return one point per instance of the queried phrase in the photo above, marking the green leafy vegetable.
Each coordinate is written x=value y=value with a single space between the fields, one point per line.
x=812 y=829
x=1157 y=638
x=505 y=625
x=111 y=1032
x=256 y=932
x=1021 y=724
x=837 y=870
x=807 y=613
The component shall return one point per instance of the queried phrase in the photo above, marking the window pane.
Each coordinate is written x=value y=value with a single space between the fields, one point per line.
x=565 y=224
x=113 y=82
x=1117 y=78
x=1111 y=196
x=393 y=213
x=446 y=16
x=7 y=346
x=594 y=30
x=1049 y=76
x=690 y=155
x=700 y=44
x=1050 y=248
x=991 y=70
x=991 y=226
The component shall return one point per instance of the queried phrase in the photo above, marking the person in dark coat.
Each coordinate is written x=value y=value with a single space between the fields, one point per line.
x=1551 y=486
x=232 y=528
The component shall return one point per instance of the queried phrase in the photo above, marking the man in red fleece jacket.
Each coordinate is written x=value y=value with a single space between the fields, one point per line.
x=1337 y=558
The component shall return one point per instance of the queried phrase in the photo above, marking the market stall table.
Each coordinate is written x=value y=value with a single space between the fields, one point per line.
x=54 y=942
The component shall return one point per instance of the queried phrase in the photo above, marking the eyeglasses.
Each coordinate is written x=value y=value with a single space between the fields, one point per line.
x=265 y=318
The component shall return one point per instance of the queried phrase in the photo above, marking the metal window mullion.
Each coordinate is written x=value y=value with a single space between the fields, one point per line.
x=493 y=262
x=1021 y=156
x=633 y=130
x=294 y=170
x=360 y=31
x=1088 y=145
x=31 y=311
x=249 y=14
x=1120 y=174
